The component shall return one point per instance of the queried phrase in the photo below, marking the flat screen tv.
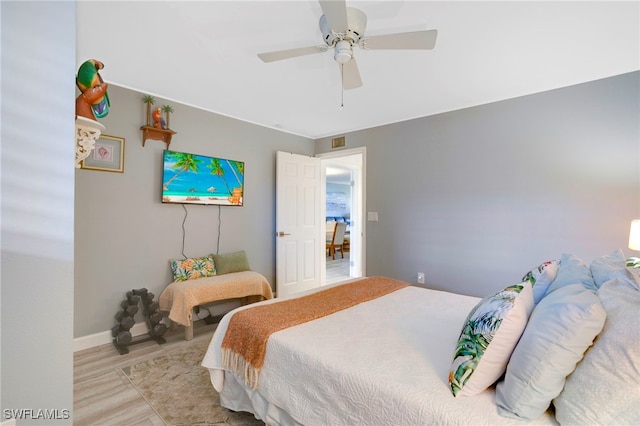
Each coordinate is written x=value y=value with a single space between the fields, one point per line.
x=199 y=179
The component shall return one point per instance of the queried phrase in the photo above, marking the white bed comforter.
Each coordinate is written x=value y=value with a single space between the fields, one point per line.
x=382 y=362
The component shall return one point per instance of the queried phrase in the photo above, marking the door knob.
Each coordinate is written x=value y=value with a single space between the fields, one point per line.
x=282 y=234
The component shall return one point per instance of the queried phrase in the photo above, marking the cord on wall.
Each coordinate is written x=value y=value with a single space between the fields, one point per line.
x=183 y=230
x=186 y=213
x=219 y=224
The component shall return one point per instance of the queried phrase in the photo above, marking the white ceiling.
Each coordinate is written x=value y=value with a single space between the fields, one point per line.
x=203 y=54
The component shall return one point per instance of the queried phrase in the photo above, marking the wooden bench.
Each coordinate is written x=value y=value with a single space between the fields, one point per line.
x=180 y=297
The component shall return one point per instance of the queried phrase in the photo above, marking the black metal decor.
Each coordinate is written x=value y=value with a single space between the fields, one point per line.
x=125 y=317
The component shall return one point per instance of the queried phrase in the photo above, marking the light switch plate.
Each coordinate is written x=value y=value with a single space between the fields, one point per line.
x=372 y=216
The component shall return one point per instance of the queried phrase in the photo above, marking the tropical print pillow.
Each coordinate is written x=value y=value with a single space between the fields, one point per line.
x=633 y=262
x=193 y=268
x=489 y=335
x=541 y=278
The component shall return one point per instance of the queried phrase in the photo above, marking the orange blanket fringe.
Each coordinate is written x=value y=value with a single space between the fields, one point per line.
x=245 y=341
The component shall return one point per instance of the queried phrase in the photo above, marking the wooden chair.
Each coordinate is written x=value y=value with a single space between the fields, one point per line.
x=331 y=228
x=337 y=240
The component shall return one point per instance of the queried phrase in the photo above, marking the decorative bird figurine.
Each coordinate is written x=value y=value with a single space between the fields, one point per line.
x=94 y=100
x=159 y=122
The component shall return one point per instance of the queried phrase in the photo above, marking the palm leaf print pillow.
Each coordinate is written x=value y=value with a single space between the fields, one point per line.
x=192 y=268
x=489 y=335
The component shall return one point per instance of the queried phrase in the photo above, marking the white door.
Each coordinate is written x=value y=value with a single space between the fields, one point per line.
x=299 y=242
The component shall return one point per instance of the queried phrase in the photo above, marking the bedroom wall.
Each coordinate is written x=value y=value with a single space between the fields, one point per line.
x=476 y=197
x=125 y=236
x=37 y=163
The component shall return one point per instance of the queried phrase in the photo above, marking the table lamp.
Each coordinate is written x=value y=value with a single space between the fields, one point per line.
x=634 y=243
x=634 y=235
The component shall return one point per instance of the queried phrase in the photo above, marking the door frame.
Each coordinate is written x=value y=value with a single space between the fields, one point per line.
x=325 y=157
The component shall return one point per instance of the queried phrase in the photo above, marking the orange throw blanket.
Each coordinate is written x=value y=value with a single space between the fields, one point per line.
x=245 y=341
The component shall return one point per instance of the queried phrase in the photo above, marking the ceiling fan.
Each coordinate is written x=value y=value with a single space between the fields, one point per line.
x=342 y=28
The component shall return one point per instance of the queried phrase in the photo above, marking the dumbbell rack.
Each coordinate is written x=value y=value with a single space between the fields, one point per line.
x=121 y=331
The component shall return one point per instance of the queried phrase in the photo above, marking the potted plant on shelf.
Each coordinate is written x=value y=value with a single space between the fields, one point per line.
x=149 y=100
x=167 y=109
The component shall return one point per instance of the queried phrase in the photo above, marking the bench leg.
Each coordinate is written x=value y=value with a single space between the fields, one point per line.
x=172 y=324
x=188 y=332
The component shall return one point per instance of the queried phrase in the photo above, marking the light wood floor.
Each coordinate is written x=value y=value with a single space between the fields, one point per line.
x=338 y=270
x=101 y=393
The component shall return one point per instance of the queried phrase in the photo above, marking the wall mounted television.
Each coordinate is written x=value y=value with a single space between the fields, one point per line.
x=199 y=179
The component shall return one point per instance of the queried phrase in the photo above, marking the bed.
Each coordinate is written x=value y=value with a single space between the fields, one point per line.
x=388 y=360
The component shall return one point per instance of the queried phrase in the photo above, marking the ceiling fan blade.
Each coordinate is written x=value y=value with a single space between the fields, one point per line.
x=410 y=40
x=350 y=75
x=290 y=53
x=336 y=13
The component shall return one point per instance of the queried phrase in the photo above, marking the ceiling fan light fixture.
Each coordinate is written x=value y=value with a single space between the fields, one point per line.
x=343 y=52
x=343 y=27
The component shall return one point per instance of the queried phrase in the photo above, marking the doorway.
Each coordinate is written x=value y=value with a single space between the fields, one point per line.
x=343 y=199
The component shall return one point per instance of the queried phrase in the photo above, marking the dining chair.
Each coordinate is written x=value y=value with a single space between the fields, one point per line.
x=337 y=240
x=331 y=229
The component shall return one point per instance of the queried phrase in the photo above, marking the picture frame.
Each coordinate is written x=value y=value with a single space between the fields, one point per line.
x=107 y=156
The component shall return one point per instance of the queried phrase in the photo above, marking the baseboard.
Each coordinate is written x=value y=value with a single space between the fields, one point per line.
x=104 y=337
x=91 y=341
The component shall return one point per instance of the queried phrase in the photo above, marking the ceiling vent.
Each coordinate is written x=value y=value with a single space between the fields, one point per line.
x=337 y=142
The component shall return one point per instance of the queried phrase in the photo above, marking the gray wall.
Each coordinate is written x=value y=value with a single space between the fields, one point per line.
x=476 y=197
x=37 y=163
x=125 y=236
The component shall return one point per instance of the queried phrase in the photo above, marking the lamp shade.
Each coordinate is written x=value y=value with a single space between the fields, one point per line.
x=634 y=235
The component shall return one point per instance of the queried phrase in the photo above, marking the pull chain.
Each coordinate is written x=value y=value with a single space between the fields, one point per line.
x=341 y=86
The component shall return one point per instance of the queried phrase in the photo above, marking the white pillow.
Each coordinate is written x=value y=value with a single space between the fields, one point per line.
x=488 y=337
x=606 y=267
x=572 y=270
x=561 y=328
x=604 y=389
x=541 y=278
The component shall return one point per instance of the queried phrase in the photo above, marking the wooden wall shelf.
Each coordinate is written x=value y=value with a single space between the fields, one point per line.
x=162 y=135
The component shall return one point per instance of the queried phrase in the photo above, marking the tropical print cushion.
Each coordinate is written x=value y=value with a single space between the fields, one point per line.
x=489 y=335
x=193 y=268
x=633 y=262
x=541 y=278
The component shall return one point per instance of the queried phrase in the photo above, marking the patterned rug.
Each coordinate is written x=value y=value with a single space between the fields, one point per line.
x=180 y=391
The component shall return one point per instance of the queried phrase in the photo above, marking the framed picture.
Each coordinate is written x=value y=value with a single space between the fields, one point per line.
x=107 y=156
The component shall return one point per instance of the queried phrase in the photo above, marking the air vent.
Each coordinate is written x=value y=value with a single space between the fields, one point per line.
x=337 y=142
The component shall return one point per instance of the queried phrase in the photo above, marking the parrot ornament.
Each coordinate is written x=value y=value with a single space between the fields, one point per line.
x=158 y=121
x=93 y=101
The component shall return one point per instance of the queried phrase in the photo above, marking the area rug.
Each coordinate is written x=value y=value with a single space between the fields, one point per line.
x=180 y=391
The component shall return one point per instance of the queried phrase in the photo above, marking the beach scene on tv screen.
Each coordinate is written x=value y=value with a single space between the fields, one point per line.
x=199 y=179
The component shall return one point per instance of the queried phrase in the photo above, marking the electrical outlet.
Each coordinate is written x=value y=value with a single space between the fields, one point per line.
x=420 y=277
